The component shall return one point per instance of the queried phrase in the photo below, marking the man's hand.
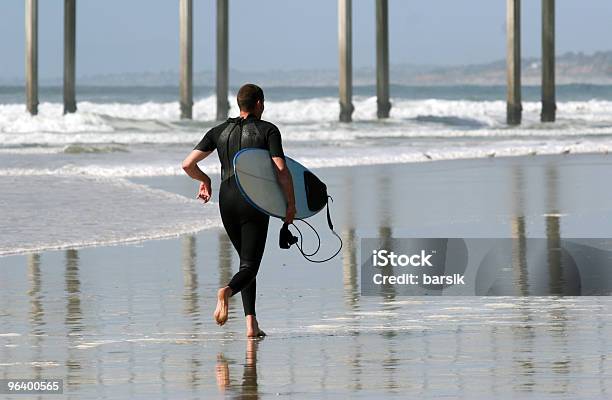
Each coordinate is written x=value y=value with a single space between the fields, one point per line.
x=205 y=192
x=190 y=166
x=290 y=213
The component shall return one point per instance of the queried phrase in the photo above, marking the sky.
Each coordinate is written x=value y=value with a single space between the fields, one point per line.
x=117 y=36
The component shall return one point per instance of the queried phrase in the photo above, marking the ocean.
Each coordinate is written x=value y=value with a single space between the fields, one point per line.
x=87 y=295
x=87 y=160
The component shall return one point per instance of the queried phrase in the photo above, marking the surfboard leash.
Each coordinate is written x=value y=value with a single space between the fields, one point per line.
x=299 y=244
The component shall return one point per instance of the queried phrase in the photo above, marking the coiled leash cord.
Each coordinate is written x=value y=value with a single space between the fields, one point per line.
x=286 y=239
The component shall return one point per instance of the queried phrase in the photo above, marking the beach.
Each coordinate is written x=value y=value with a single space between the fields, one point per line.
x=457 y=161
x=117 y=318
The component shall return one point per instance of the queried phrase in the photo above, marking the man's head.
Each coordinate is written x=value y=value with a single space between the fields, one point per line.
x=251 y=100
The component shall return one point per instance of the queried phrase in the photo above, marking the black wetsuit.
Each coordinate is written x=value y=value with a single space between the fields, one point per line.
x=246 y=226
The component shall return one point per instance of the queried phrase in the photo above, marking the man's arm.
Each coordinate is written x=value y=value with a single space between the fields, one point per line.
x=284 y=179
x=190 y=166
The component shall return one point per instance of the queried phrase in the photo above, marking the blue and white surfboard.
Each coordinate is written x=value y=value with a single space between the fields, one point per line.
x=257 y=181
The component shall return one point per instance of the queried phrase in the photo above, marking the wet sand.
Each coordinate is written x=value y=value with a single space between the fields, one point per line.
x=135 y=321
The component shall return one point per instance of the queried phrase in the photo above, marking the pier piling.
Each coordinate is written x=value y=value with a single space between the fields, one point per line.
x=222 y=59
x=346 y=62
x=514 y=107
x=186 y=58
x=31 y=59
x=69 y=56
x=549 y=105
x=382 y=59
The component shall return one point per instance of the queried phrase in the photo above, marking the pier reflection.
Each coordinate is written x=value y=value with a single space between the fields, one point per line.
x=225 y=260
x=37 y=312
x=190 y=279
x=191 y=303
x=558 y=268
x=539 y=266
x=349 y=269
x=519 y=242
x=391 y=358
x=349 y=249
x=385 y=231
x=561 y=276
x=74 y=316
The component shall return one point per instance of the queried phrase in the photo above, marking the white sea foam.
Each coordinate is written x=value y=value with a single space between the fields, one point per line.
x=323 y=158
x=117 y=122
x=80 y=212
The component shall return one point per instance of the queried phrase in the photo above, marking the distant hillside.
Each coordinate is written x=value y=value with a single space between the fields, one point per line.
x=571 y=68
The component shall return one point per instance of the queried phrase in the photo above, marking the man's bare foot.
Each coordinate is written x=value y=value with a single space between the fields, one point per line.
x=253 y=330
x=222 y=305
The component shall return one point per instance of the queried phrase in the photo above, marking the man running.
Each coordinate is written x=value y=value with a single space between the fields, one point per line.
x=246 y=226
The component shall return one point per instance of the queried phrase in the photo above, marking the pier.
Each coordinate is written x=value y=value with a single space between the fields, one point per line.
x=345 y=61
x=383 y=106
x=549 y=105
x=345 y=56
x=186 y=58
x=70 y=56
x=514 y=107
x=513 y=62
x=222 y=59
x=31 y=59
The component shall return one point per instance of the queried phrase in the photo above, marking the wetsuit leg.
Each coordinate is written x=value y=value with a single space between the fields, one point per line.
x=249 y=295
x=247 y=228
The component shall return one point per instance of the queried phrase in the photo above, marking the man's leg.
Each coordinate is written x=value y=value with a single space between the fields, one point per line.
x=253 y=234
x=249 y=294
x=247 y=229
x=233 y=228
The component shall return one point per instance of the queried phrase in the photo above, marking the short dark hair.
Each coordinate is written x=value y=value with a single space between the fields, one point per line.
x=248 y=95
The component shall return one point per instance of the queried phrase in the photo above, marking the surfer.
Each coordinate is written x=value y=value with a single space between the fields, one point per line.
x=246 y=226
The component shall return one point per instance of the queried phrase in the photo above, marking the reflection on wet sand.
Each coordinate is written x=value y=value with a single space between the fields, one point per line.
x=553 y=233
x=225 y=259
x=349 y=268
x=391 y=358
x=519 y=243
x=74 y=316
x=350 y=276
x=247 y=387
x=191 y=300
x=559 y=274
x=190 y=278
x=385 y=230
x=524 y=346
x=349 y=250
x=335 y=343
x=37 y=311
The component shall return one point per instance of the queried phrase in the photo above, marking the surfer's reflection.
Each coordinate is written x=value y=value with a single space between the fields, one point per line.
x=247 y=388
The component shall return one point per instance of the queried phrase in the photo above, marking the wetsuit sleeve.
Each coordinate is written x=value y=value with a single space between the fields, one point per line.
x=209 y=141
x=275 y=144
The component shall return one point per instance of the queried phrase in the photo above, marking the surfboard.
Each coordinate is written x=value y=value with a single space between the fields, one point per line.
x=257 y=182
